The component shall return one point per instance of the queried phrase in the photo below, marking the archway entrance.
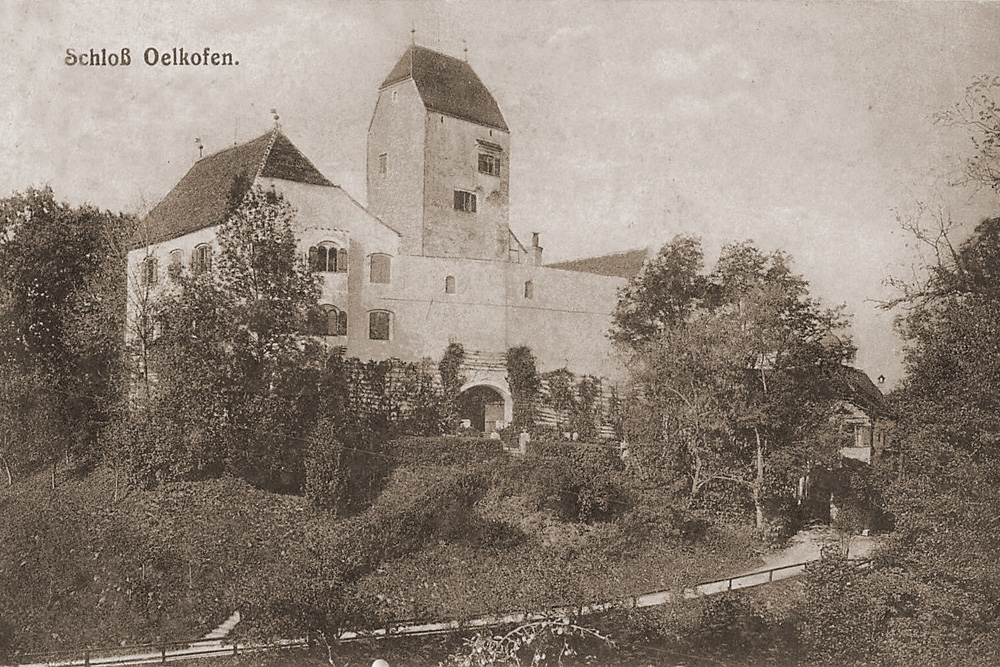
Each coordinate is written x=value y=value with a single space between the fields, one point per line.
x=482 y=406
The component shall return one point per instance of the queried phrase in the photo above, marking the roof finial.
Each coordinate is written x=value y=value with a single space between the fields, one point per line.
x=197 y=141
x=465 y=49
x=413 y=34
x=277 y=125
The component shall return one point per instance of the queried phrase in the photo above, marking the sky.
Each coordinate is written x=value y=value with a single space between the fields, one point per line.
x=806 y=127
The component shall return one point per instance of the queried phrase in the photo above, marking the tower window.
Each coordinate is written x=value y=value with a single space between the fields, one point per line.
x=327 y=321
x=395 y=96
x=489 y=164
x=449 y=285
x=465 y=201
x=378 y=324
x=529 y=290
x=383 y=164
x=380 y=269
x=327 y=258
x=201 y=259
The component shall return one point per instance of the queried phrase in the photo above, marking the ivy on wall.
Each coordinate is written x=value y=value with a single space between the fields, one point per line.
x=452 y=379
x=522 y=378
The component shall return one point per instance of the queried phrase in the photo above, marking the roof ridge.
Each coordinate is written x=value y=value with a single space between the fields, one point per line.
x=267 y=153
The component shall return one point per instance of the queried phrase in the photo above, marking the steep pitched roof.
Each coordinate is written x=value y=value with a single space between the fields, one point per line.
x=447 y=85
x=626 y=264
x=854 y=385
x=203 y=197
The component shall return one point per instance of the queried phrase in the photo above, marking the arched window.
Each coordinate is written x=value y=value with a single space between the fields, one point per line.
x=327 y=258
x=529 y=290
x=449 y=285
x=201 y=259
x=148 y=273
x=379 y=268
x=177 y=258
x=379 y=324
x=327 y=320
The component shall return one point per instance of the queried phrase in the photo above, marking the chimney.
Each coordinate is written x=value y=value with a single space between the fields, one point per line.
x=536 y=248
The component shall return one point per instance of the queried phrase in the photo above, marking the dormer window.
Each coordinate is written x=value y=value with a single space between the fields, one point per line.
x=327 y=258
x=465 y=201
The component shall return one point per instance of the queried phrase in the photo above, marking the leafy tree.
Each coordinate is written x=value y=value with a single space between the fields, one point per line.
x=452 y=379
x=669 y=287
x=741 y=378
x=61 y=307
x=233 y=372
x=522 y=377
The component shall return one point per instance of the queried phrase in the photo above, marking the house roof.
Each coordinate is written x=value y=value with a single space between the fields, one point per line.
x=855 y=386
x=626 y=264
x=206 y=193
x=447 y=85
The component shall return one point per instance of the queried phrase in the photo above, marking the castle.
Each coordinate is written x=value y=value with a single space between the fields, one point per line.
x=431 y=260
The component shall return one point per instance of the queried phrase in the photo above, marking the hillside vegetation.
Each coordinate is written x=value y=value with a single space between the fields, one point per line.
x=457 y=530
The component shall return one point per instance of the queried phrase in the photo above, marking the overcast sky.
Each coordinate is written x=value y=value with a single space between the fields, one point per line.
x=801 y=126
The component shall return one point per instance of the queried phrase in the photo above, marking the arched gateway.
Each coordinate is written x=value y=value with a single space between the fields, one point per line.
x=484 y=405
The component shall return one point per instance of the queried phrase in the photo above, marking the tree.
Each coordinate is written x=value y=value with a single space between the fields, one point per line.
x=61 y=291
x=666 y=291
x=740 y=377
x=233 y=370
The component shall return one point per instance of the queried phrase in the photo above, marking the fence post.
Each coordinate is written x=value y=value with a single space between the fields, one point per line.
x=163 y=654
x=235 y=649
x=770 y=576
x=730 y=583
x=86 y=657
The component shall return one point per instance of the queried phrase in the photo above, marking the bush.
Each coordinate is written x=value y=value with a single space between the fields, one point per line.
x=582 y=482
x=443 y=450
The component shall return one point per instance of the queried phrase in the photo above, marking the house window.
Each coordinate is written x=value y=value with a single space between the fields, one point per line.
x=529 y=290
x=465 y=201
x=379 y=272
x=327 y=258
x=327 y=321
x=201 y=259
x=383 y=164
x=489 y=164
x=177 y=258
x=148 y=271
x=395 y=96
x=378 y=324
x=449 y=285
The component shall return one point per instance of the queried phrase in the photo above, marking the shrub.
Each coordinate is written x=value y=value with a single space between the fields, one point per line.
x=443 y=450
x=582 y=482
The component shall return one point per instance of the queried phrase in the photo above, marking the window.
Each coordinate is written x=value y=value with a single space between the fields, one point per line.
x=383 y=164
x=529 y=290
x=327 y=321
x=379 y=268
x=327 y=258
x=148 y=271
x=201 y=259
x=177 y=258
x=489 y=164
x=378 y=325
x=395 y=96
x=465 y=201
x=449 y=285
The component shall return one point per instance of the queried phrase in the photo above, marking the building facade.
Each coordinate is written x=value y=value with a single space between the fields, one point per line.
x=430 y=260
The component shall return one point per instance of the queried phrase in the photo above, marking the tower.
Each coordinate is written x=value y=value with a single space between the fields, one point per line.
x=438 y=159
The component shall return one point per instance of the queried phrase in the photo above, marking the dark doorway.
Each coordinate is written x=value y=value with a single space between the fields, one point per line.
x=482 y=406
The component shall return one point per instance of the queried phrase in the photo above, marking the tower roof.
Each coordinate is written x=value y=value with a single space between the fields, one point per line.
x=204 y=196
x=447 y=85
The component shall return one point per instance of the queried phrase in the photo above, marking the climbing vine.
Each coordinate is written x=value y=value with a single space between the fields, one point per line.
x=452 y=379
x=522 y=377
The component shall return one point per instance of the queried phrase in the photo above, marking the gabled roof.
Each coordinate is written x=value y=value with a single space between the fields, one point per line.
x=206 y=193
x=854 y=385
x=626 y=264
x=447 y=85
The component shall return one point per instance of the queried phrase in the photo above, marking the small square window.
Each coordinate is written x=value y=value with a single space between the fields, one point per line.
x=383 y=164
x=465 y=201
